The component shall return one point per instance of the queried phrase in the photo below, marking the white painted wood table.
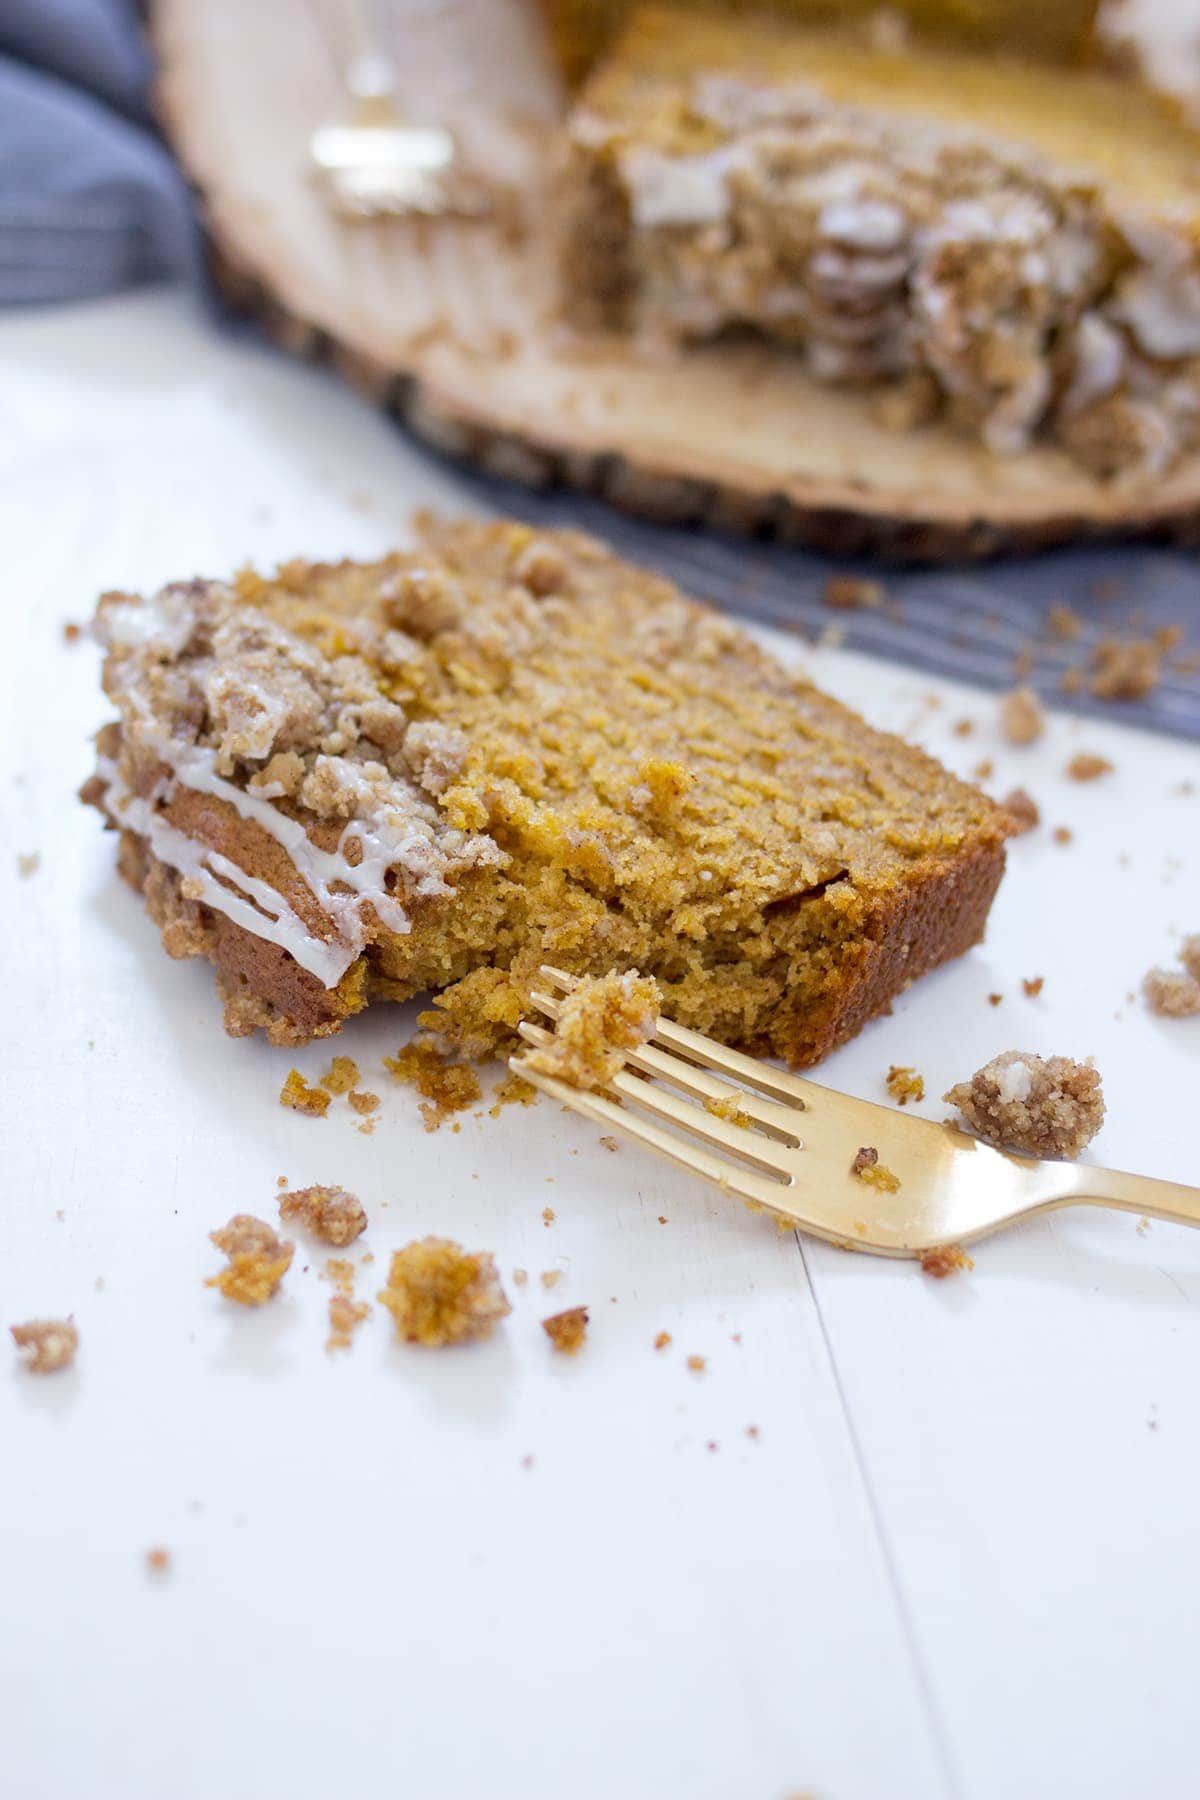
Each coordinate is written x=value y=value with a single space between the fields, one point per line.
x=960 y=1556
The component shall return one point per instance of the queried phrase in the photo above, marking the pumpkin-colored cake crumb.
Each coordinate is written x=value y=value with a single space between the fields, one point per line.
x=850 y=593
x=297 y=1094
x=730 y=1108
x=1125 y=669
x=448 y=1087
x=330 y=1213
x=567 y=1330
x=514 y=1090
x=1044 y=1106
x=1022 y=716
x=1085 y=765
x=1189 y=955
x=361 y=1102
x=365 y=782
x=1032 y=985
x=51 y=1344
x=868 y=1168
x=697 y=1364
x=158 y=1560
x=340 y=1076
x=598 y=1021
x=905 y=1084
x=662 y=1339
x=345 y=1316
x=439 y=1293
x=258 y=1259
x=945 y=1259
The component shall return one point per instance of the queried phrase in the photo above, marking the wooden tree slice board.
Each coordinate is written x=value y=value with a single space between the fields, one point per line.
x=452 y=324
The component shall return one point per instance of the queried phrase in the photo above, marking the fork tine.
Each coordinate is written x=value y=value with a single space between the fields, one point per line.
x=763 y=1154
x=757 y=1190
x=705 y=1053
x=775 y=1120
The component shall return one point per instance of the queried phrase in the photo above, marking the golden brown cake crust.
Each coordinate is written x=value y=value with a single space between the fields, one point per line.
x=506 y=748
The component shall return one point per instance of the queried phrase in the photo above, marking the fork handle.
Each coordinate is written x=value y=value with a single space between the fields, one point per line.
x=1169 y=1200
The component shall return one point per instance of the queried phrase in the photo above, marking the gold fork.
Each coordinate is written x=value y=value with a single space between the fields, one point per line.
x=374 y=164
x=794 y=1154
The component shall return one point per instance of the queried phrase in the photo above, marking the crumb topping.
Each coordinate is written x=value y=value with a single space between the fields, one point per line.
x=258 y=1260
x=439 y=1293
x=50 y=1344
x=1172 y=993
x=330 y=1213
x=446 y=1087
x=945 y=1259
x=1050 y=1107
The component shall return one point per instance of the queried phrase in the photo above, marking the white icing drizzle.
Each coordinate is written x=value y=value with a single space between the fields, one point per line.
x=272 y=918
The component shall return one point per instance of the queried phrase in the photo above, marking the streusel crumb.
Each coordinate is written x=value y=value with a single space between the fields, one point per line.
x=904 y=1084
x=598 y=1021
x=1172 y=993
x=1032 y=985
x=567 y=1330
x=1023 y=809
x=945 y=1259
x=446 y=1087
x=330 y=1213
x=1125 y=670
x=340 y=1076
x=1044 y=1106
x=51 y=1344
x=1189 y=955
x=439 y=1293
x=258 y=1259
x=362 y=1102
x=697 y=1364
x=297 y=1094
x=514 y=1090
x=661 y=1340
x=1022 y=716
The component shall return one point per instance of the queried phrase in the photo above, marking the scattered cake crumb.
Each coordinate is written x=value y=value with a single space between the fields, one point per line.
x=868 y=1168
x=514 y=1090
x=697 y=1364
x=752 y=1431
x=548 y=1215
x=730 y=1108
x=1032 y=985
x=340 y=1076
x=550 y=1277
x=610 y=1143
x=345 y=1316
x=71 y=632
x=330 y=1213
x=983 y=771
x=158 y=1560
x=1143 y=1226
x=662 y=1339
x=363 y=1102
x=598 y=1021
x=849 y=593
x=258 y=1259
x=904 y=1084
x=945 y=1259
x=51 y=1344
x=1063 y=834
x=1171 y=993
x=1063 y=621
x=446 y=1087
x=994 y=999
x=1042 y=1106
x=297 y=1094
x=663 y=1220
x=1124 y=670
x=438 y=1293
x=1189 y=955
x=520 y=1277
x=1086 y=766
x=29 y=865
x=1022 y=808
x=963 y=727
x=1022 y=716
x=567 y=1330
